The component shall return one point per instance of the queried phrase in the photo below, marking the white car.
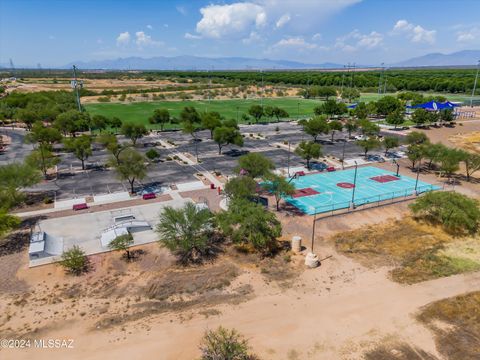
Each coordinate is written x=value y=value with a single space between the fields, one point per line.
x=360 y=137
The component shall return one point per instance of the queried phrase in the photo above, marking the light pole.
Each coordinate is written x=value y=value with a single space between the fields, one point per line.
x=343 y=154
x=354 y=185
x=288 y=160
x=475 y=84
x=313 y=229
x=418 y=174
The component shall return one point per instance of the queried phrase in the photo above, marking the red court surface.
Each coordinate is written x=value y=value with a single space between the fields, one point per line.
x=384 y=178
x=304 y=192
x=345 y=185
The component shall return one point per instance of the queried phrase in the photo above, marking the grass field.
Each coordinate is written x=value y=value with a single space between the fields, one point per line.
x=139 y=112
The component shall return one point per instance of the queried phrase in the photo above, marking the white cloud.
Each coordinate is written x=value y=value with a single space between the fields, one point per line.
x=123 y=38
x=284 y=19
x=356 y=41
x=150 y=27
x=468 y=35
x=143 y=40
x=295 y=42
x=415 y=33
x=230 y=21
x=317 y=37
x=181 y=9
x=192 y=36
x=252 y=38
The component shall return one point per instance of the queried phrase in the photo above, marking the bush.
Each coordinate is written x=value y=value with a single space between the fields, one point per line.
x=455 y=212
x=74 y=261
x=152 y=154
x=224 y=344
x=122 y=243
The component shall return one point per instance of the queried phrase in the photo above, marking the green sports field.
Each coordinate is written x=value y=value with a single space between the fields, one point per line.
x=139 y=112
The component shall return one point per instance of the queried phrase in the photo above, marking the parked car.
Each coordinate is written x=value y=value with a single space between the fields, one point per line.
x=236 y=152
x=319 y=166
x=376 y=158
x=360 y=137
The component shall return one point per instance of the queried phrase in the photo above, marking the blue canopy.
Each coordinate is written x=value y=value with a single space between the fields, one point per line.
x=353 y=106
x=434 y=105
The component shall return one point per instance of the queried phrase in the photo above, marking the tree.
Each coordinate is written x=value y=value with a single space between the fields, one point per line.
x=390 y=142
x=308 y=150
x=134 y=131
x=14 y=177
x=160 y=117
x=226 y=135
x=7 y=222
x=316 y=126
x=450 y=161
x=279 y=113
x=152 y=154
x=454 y=211
x=395 y=118
x=279 y=187
x=130 y=166
x=190 y=114
x=243 y=187
x=433 y=152
x=415 y=153
x=255 y=165
x=388 y=104
x=325 y=91
x=256 y=111
x=472 y=163
x=330 y=108
x=268 y=111
x=115 y=123
x=361 y=111
x=248 y=223
x=333 y=126
x=224 y=344
x=446 y=115
x=74 y=261
x=351 y=126
x=122 y=243
x=42 y=159
x=99 y=122
x=27 y=116
x=211 y=120
x=368 y=128
x=81 y=147
x=416 y=138
x=368 y=144
x=43 y=135
x=113 y=146
x=420 y=117
x=70 y=122
x=187 y=232
x=350 y=94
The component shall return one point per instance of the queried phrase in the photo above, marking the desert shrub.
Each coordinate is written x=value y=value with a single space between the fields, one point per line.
x=224 y=344
x=74 y=261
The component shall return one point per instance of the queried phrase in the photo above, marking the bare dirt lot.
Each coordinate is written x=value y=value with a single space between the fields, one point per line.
x=151 y=306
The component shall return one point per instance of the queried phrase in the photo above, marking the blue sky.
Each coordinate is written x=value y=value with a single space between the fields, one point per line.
x=56 y=32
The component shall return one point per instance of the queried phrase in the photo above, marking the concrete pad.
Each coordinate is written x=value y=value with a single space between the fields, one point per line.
x=351 y=162
x=68 y=204
x=85 y=229
x=113 y=197
x=194 y=185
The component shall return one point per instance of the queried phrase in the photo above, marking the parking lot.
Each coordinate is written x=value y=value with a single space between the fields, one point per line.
x=72 y=182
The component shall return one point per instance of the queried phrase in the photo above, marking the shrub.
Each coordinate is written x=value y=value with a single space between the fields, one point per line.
x=122 y=243
x=224 y=344
x=74 y=261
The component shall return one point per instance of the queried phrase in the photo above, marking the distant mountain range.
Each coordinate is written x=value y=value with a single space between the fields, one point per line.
x=186 y=62
x=459 y=58
x=197 y=63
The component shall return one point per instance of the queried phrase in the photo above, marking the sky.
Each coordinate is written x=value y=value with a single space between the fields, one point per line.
x=368 y=32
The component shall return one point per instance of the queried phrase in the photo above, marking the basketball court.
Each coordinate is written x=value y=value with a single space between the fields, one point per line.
x=323 y=192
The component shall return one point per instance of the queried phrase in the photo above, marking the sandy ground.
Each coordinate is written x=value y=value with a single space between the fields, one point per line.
x=337 y=311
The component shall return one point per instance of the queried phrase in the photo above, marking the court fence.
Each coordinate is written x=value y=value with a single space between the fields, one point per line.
x=376 y=200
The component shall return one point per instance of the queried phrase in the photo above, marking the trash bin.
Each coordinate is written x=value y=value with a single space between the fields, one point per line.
x=212 y=186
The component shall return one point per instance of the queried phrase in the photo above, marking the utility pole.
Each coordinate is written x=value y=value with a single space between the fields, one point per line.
x=263 y=90
x=343 y=78
x=75 y=86
x=354 y=185
x=475 y=84
x=380 y=80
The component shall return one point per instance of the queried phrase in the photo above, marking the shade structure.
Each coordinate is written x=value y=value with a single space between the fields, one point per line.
x=434 y=106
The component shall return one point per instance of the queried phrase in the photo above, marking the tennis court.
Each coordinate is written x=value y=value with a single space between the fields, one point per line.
x=323 y=192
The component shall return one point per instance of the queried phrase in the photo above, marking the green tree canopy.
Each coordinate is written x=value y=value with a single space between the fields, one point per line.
x=279 y=187
x=395 y=118
x=74 y=261
x=225 y=135
x=134 y=131
x=333 y=126
x=248 y=223
x=81 y=147
x=14 y=177
x=42 y=159
x=456 y=212
x=388 y=104
x=369 y=144
x=256 y=111
x=211 y=120
x=308 y=150
x=122 y=243
x=224 y=344
x=243 y=187
x=416 y=138
x=130 y=166
x=316 y=126
x=187 y=232
x=160 y=117
x=390 y=142
x=255 y=165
